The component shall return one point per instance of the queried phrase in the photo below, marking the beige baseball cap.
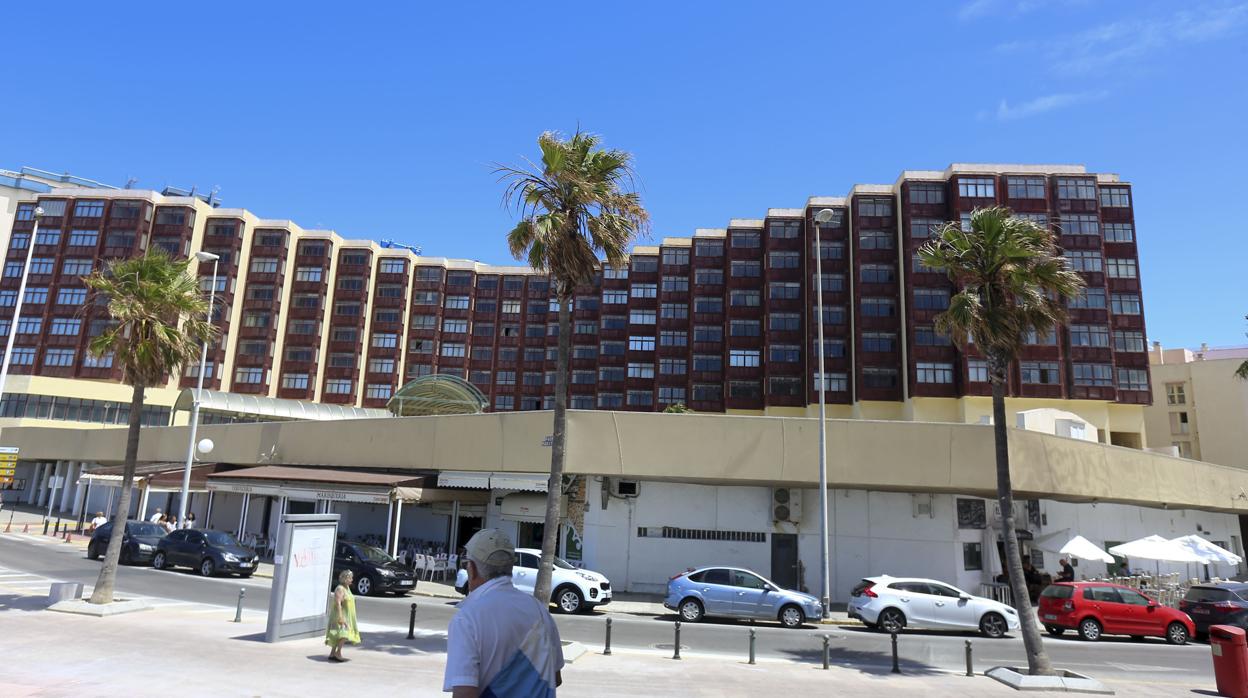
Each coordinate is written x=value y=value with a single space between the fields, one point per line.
x=490 y=546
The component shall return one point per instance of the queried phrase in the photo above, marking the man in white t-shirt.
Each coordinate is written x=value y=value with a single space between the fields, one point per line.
x=501 y=642
x=155 y=518
x=98 y=520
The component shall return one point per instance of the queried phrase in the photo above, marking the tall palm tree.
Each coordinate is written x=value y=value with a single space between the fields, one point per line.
x=577 y=205
x=159 y=321
x=1011 y=279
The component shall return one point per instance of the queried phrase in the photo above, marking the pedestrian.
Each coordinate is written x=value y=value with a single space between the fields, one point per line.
x=98 y=521
x=189 y=521
x=157 y=517
x=1068 y=572
x=342 y=628
x=170 y=523
x=501 y=641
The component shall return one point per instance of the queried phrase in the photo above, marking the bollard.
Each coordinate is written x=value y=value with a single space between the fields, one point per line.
x=411 y=624
x=676 y=653
x=607 y=648
x=46 y=523
x=26 y=528
x=825 y=653
x=896 y=666
x=9 y=526
x=752 y=633
x=238 y=613
x=970 y=671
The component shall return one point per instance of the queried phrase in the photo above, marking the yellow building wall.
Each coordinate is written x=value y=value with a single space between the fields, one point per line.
x=1216 y=404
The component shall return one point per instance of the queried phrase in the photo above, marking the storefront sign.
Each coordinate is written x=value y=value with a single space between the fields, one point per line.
x=381 y=496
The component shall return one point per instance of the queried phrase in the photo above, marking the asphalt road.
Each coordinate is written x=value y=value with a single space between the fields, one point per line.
x=1150 y=660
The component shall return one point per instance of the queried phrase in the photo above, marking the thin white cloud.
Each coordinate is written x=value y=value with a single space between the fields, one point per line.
x=1040 y=105
x=974 y=9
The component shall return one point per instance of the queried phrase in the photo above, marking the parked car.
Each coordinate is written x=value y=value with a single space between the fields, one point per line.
x=208 y=552
x=891 y=604
x=1216 y=604
x=573 y=590
x=732 y=592
x=1094 y=609
x=375 y=570
x=137 y=545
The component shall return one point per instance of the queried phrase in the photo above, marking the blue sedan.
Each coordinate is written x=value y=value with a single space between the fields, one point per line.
x=732 y=592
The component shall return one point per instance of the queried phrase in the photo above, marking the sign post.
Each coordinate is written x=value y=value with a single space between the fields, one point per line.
x=303 y=569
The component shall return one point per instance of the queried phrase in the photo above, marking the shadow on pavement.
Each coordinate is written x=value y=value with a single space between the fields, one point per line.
x=392 y=643
x=13 y=602
x=875 y=663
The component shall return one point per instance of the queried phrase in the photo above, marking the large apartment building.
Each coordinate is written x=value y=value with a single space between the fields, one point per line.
x=721 y=321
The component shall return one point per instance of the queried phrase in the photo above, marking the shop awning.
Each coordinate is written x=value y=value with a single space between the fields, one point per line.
x=524 y=482
x=312 y=484
x=156 y=477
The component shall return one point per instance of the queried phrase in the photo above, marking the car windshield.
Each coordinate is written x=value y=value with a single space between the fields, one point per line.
x=563 y=564
x=145 y=529
x=222 y=538
x=372 y=554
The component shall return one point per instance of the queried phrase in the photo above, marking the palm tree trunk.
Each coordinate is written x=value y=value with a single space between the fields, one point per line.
x=108 y=572
x=554 y=486
x=1037 y=658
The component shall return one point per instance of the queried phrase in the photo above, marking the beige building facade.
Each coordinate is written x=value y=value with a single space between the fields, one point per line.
x=1200 y=409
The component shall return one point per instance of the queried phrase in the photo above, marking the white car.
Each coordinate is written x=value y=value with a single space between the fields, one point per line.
x=891 y=604
x=572 y=589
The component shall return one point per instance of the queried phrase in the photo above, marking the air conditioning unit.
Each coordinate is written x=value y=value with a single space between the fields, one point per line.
x=626 y=488
x=786 y=504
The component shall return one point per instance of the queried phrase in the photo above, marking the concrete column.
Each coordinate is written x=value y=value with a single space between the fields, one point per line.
x=389 y=518
x=53 y=491
x=141 y=514
x=242 y=515
x=70 y=489
x=36 y=476
x=208 y=513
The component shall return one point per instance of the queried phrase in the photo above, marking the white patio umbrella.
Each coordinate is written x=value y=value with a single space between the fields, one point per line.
x=1209 y=552
x=1156 y=548
x=1085 y=549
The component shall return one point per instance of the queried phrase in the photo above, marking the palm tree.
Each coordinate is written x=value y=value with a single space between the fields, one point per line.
x=677 y=408
x=575 y=206
x=1011 y=280
x=1242 y=371
x=159 y=321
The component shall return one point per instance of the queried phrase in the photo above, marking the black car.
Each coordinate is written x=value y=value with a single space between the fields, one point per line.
x=375 y=570
x=138 y=545
x=1224 y=603
x=209 y=552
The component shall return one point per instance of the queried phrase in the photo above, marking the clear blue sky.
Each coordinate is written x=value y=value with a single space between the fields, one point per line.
x=383 y=122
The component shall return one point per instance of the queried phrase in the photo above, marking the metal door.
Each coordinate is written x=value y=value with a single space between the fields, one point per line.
x=784 y=560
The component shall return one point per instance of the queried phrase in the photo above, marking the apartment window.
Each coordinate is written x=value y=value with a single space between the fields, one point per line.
x=84 y=238
x=1076 y=188
x=306 y=300
x=191 y=370
x=481 y=378
x=1033 y=338
x=927 y=336
x=784 y=229
x=784 y=353
x=23 y=356
x=1093 y=374
x=478 y=353
x=418 y=370
x=927 y=193
x=882 y=307
x=58 y=357
x=424 y=297
x=428 y=274
x=419 y=322
x=744 y=268
x=939 y=373
x=1083 y=260
x=612 y=348
x=878 y=273
x=36 y=295
x=832 y=348
x=578 y=378
x=505 y=378
x=878 y=208
x=673 y=367
x=253 y=348
x=214 y=229
x=89 y=209
x=1120 y=268
x=708 y=363
x=879 y=342
x=611 y=374
x=784 y=322
x=249 y=376
x=708 y=304
x=54 y=208
x=1119 y=232
x=876 y=377
x=832 y=383
x=315 y=248
x=206 y=284
x=392 y=266
x=669 y=395
x=1184 y=447
x=1080 y=224
x=674 y=311
x=610 y=272
x=19 y=240
x=708 y=334
x=830 y=249
x=875 y=240
x=708 y=248
x=744 y=299
x=708 y=393
x=461 y=303
x=8 y=299
x=830 y=283
x=1040 y=219
x=641 y=317
x=29 y=325
x=1039 y=372
x=26 y=212
x=644 y=290
x=676 y=255
x=117 y=239
x=389 y=340
x=745 y=328
x=1133 y=379
x=482 y=329
x=641 y=343
x=66 y=327
x=456 y=326
x=504 y=402
x=976 y=371
x=671 y=338
x=744 y=390
x=338 y=387
x=452 y=349
x=743 y=358
x=784 y=386
x=388 y=315
x=1179 y=423
x=977 y=188
x=295 y=381
x=610 y=400
x=675 y=284
x=256 y=319
x=612 y=297
x=708 y=277
x=645 y=264
x=530 y=354
x=1092 y=298
x=308 y=274
x=1176 y=394
x=640 y=370
x=835 y=314
x=747 y=239
x=1117 y=197
x=1025 y=187
x=300 y=354
x=1089 y=335
x=614 y=322
x=784 y=260
x=972 y=556
x=264 y=265
x=784 y=290
x=924 y=228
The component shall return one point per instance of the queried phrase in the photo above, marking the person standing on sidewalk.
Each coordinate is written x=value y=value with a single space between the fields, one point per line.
x=342 y=627
x=502 y=642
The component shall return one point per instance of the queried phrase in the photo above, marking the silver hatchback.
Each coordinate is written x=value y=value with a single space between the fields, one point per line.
x=733 y=592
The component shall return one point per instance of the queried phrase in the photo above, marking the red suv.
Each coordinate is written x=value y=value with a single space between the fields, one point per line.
x=1098 y=608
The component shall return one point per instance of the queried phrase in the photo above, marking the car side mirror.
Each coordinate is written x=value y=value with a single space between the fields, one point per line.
x=965 y=597
x=1152 y=604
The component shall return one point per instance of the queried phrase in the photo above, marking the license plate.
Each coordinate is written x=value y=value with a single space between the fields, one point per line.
x=244 y=564
x=405 y=582
x=1050 y=616
x=1200 y=610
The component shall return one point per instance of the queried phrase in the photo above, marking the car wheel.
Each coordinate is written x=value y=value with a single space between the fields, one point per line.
x=891 y=620
x=1054 y=630
x=691 y=610
x=993 y=625
x=245 y=575
x=1176 y=634
x=159 y=561
x=92 y=553
x=792 y=617
x=1090 y=629
x=207 y=568
x=364 y=585
x=568 y=600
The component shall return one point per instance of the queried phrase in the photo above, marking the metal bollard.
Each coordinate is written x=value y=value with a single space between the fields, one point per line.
x=56 y=530
x=607 y=648
x=896 y=666
x=238 y=612
x=676 y=653
x=752 y=633
x=46 y=523
x=970 y=671
x=826 y=654
x=411 y=624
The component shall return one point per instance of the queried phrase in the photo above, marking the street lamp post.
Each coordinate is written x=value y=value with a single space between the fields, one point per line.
x=17 y=307
x=823 y=217
x=199 y=390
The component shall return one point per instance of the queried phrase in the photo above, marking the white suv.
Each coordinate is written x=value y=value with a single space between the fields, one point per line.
x=573 y=589
x=893 y=603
